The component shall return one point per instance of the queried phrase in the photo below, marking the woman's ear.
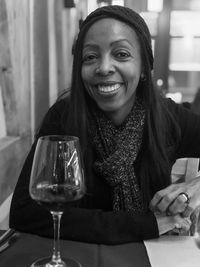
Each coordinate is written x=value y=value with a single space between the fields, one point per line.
x=142 y=77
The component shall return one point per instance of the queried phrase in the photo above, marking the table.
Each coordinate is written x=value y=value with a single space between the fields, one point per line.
x=27 y=248
x=173 y=251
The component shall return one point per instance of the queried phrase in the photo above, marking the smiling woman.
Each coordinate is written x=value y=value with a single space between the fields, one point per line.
x=130 y=137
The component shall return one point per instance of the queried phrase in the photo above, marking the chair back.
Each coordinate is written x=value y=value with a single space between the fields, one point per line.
x=185 y=169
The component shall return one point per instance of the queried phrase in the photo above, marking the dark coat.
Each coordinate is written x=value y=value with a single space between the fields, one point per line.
x=92 y=219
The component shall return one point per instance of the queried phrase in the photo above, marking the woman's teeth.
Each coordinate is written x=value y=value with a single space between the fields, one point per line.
x=108 y=88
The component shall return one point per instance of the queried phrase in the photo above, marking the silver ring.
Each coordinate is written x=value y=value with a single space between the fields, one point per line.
x=185 y=195
x=177 y=226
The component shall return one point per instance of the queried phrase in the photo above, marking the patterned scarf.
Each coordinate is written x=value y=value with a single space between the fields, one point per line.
x=117 y=148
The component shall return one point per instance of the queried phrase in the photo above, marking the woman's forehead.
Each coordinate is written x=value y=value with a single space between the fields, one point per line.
x=109 y=29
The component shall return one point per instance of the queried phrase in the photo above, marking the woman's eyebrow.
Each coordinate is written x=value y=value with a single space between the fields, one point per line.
x=122 y=40
x=96 y=46
x=90 y=45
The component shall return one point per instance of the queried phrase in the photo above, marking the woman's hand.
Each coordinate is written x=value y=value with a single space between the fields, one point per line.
x=181 y=198
x=175 y=223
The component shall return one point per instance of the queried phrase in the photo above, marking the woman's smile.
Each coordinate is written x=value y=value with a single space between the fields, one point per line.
x=108 y=89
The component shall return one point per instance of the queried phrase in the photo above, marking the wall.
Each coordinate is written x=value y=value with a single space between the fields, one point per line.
x=15 y=84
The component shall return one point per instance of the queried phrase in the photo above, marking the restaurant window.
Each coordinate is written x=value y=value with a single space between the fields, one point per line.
x=184 y=61
x=102 y=3
x=155 y=5
x=175 y=30
x=151 y=20
x=118 y=2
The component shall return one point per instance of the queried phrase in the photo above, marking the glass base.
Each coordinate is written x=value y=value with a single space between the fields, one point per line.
x=47 y=262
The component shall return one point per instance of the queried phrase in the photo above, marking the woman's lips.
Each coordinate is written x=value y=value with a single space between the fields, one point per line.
x=108 y=88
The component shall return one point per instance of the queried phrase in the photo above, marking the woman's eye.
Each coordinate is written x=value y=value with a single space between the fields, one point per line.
x=88 y=58
x=122 y=55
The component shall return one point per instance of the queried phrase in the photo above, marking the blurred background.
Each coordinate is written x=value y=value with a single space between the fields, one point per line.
x=36 y=39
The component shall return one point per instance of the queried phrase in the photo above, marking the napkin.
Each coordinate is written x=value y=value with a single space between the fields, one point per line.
x=173 y=251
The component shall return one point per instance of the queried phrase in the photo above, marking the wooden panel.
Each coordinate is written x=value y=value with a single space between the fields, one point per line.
x=4 y=64
x=2 y=116
x=12 y=155
x=10 y=102
x=4 y=47
x=69 y=31
x=15 y=85
x=56 y=73
x=4 y=213
x=59 y=44
x=40 y=64
x=18 y=32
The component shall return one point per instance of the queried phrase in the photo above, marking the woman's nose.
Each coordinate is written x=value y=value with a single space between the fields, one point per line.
x=105 y=66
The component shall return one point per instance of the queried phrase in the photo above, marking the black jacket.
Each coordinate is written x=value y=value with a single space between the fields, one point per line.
x=92 y=219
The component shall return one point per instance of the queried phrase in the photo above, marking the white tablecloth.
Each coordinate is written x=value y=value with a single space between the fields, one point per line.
x=173 y=251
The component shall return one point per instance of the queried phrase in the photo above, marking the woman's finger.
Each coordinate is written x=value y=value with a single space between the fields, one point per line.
x=162 y=195
x=167 y=200
x=182 y=224
x=179 y=204
x=172 y=199
x=190 y=206
x=188 y=211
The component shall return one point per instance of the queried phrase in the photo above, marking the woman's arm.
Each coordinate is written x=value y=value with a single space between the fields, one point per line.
x=83 y=224
x=89 y=225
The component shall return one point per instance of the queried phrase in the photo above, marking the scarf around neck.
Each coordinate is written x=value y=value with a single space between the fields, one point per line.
x=117 y=148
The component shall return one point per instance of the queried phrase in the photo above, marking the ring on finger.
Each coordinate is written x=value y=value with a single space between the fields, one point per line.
x=185 y=196
x=177 y=226
x=186 y=201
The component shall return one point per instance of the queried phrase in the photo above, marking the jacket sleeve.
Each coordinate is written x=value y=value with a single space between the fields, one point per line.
x=79 y=222
x=82 y=224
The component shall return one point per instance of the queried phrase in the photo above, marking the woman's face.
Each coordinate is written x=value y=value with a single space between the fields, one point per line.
x=111 y=66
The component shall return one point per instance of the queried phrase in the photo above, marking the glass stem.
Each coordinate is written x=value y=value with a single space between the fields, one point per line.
x=56 y=244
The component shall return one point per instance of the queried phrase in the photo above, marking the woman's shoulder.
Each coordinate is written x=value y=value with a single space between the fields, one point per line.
x=176 y=109
x=183 y=117
x=57 y=109
x=170 y=104
x=61 y=103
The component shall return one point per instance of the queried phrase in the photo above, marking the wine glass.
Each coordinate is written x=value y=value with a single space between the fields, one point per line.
x=56 y=178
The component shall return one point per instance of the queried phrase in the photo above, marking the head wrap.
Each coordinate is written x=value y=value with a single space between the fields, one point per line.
x=124 y=14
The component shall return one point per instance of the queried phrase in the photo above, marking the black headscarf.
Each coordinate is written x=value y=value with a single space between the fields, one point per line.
x=124 y=14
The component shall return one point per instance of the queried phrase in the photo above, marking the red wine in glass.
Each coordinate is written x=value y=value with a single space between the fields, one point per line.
x=57 y=178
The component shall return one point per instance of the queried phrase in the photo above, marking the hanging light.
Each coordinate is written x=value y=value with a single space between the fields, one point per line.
x=155 y=5
x=118 y=2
